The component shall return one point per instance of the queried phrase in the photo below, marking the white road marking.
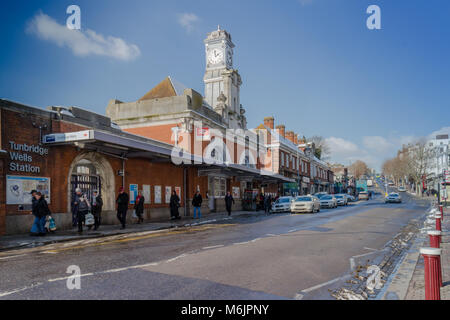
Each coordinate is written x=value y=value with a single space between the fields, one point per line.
x=65 y=278
x=370 y=249
x=7 y=293
x=177 y=257
x=10 y=257
x=271 y=235
x=293 y=230
x=324 y=284
x=213 y=247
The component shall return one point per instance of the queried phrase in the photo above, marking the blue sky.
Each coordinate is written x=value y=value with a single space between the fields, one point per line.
x=312 y=64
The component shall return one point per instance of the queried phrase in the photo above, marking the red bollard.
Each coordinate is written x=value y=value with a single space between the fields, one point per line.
x=438 y=222
x=435 y=238
x=441 y=209
x=433 y=278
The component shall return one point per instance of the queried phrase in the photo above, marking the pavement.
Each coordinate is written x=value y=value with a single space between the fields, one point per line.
x=278 y=256
x=408 y=281
x=18 y=241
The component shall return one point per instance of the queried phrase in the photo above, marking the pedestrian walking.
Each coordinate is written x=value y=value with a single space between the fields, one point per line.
x=96 y=205
x=80 y=207
x=139 y=207
x=197 y=203
x=40 y=211
x=266 y=203
x=229 y=201
x=174 y=205
x=122 y=207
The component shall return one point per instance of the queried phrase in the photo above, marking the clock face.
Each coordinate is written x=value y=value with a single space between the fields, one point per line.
x=215 y=56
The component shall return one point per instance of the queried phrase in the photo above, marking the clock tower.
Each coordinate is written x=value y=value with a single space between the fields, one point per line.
x=222 y=82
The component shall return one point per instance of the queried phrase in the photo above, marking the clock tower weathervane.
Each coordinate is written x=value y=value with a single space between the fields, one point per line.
x=221 y=78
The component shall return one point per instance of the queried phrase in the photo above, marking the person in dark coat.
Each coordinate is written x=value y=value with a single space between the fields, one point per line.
x=40 y=211
x=139 y=207
x=80 y=208
x=122 y=207
x=229 y=202
x=197 y=203
x=174 y=205
x=96 y=205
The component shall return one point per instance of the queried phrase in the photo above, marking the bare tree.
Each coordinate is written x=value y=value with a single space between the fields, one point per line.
x=418 y=161
x=358 y=169
x=322 y=150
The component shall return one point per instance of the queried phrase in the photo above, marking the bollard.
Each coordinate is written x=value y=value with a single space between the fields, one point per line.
x=438 y=221
x=435 y=238
x=433 y=277
x=441 y=209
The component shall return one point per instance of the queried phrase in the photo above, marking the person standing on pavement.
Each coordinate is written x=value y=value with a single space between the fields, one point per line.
x=229 y=202
x=139 y=207
x=41 y=211
x=197 y=203
x=122 y=207
x=174 y=205
x=35 y=228
x=80 y=207
x=96 y=205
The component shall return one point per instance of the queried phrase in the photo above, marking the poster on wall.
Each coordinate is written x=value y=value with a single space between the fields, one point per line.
x=157 y=194
x=236 y=192
x=18 y=188
x=178 y=191
x=168 y=194
x=146 y=193
x=133 y=193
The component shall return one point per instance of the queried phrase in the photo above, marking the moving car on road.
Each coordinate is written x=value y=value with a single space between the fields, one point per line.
x=328 y=201
x=393 y=198
x=401 y=189
x=305 y=204
x=283 y=204
x=363 y=195
x=320 y=194
x=341 y=199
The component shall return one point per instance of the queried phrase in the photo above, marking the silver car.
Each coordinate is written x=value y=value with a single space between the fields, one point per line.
x=305 y=204
x=328 y=201
x=393 y=198
x=341 y=199
x=283 y=204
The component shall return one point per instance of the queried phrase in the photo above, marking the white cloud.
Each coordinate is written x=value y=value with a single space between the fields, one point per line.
x=188 y=21
x=339 y=146
x=82 y=43
x=378 y=144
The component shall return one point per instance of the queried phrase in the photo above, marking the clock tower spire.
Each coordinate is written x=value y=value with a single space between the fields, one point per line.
x=221 y=78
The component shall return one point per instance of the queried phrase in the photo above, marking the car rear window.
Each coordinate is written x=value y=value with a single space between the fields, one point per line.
x=326 y=197
x=303 y=199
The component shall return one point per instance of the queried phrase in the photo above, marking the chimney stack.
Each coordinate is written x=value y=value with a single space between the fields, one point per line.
x=281 y=130
x=295 y=139
x=290 y=136
x=268 y=122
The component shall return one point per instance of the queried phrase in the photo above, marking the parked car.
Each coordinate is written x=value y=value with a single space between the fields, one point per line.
x=283 y=204
x=401 y=189
x=328 y=201
x=393 y=198
x=305 y=204
x=341 y=199
x=363 y=195
x=320 y=194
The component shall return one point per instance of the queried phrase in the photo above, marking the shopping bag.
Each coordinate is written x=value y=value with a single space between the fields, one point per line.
x=51 y=223
x=134 y=214
x=89 y=219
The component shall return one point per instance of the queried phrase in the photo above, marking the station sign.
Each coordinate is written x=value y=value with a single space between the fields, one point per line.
x=67 y=137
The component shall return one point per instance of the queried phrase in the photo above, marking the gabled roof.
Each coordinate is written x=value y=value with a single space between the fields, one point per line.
x=166 y=88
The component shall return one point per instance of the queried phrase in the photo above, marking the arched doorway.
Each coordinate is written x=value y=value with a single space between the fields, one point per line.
x=91 y=171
